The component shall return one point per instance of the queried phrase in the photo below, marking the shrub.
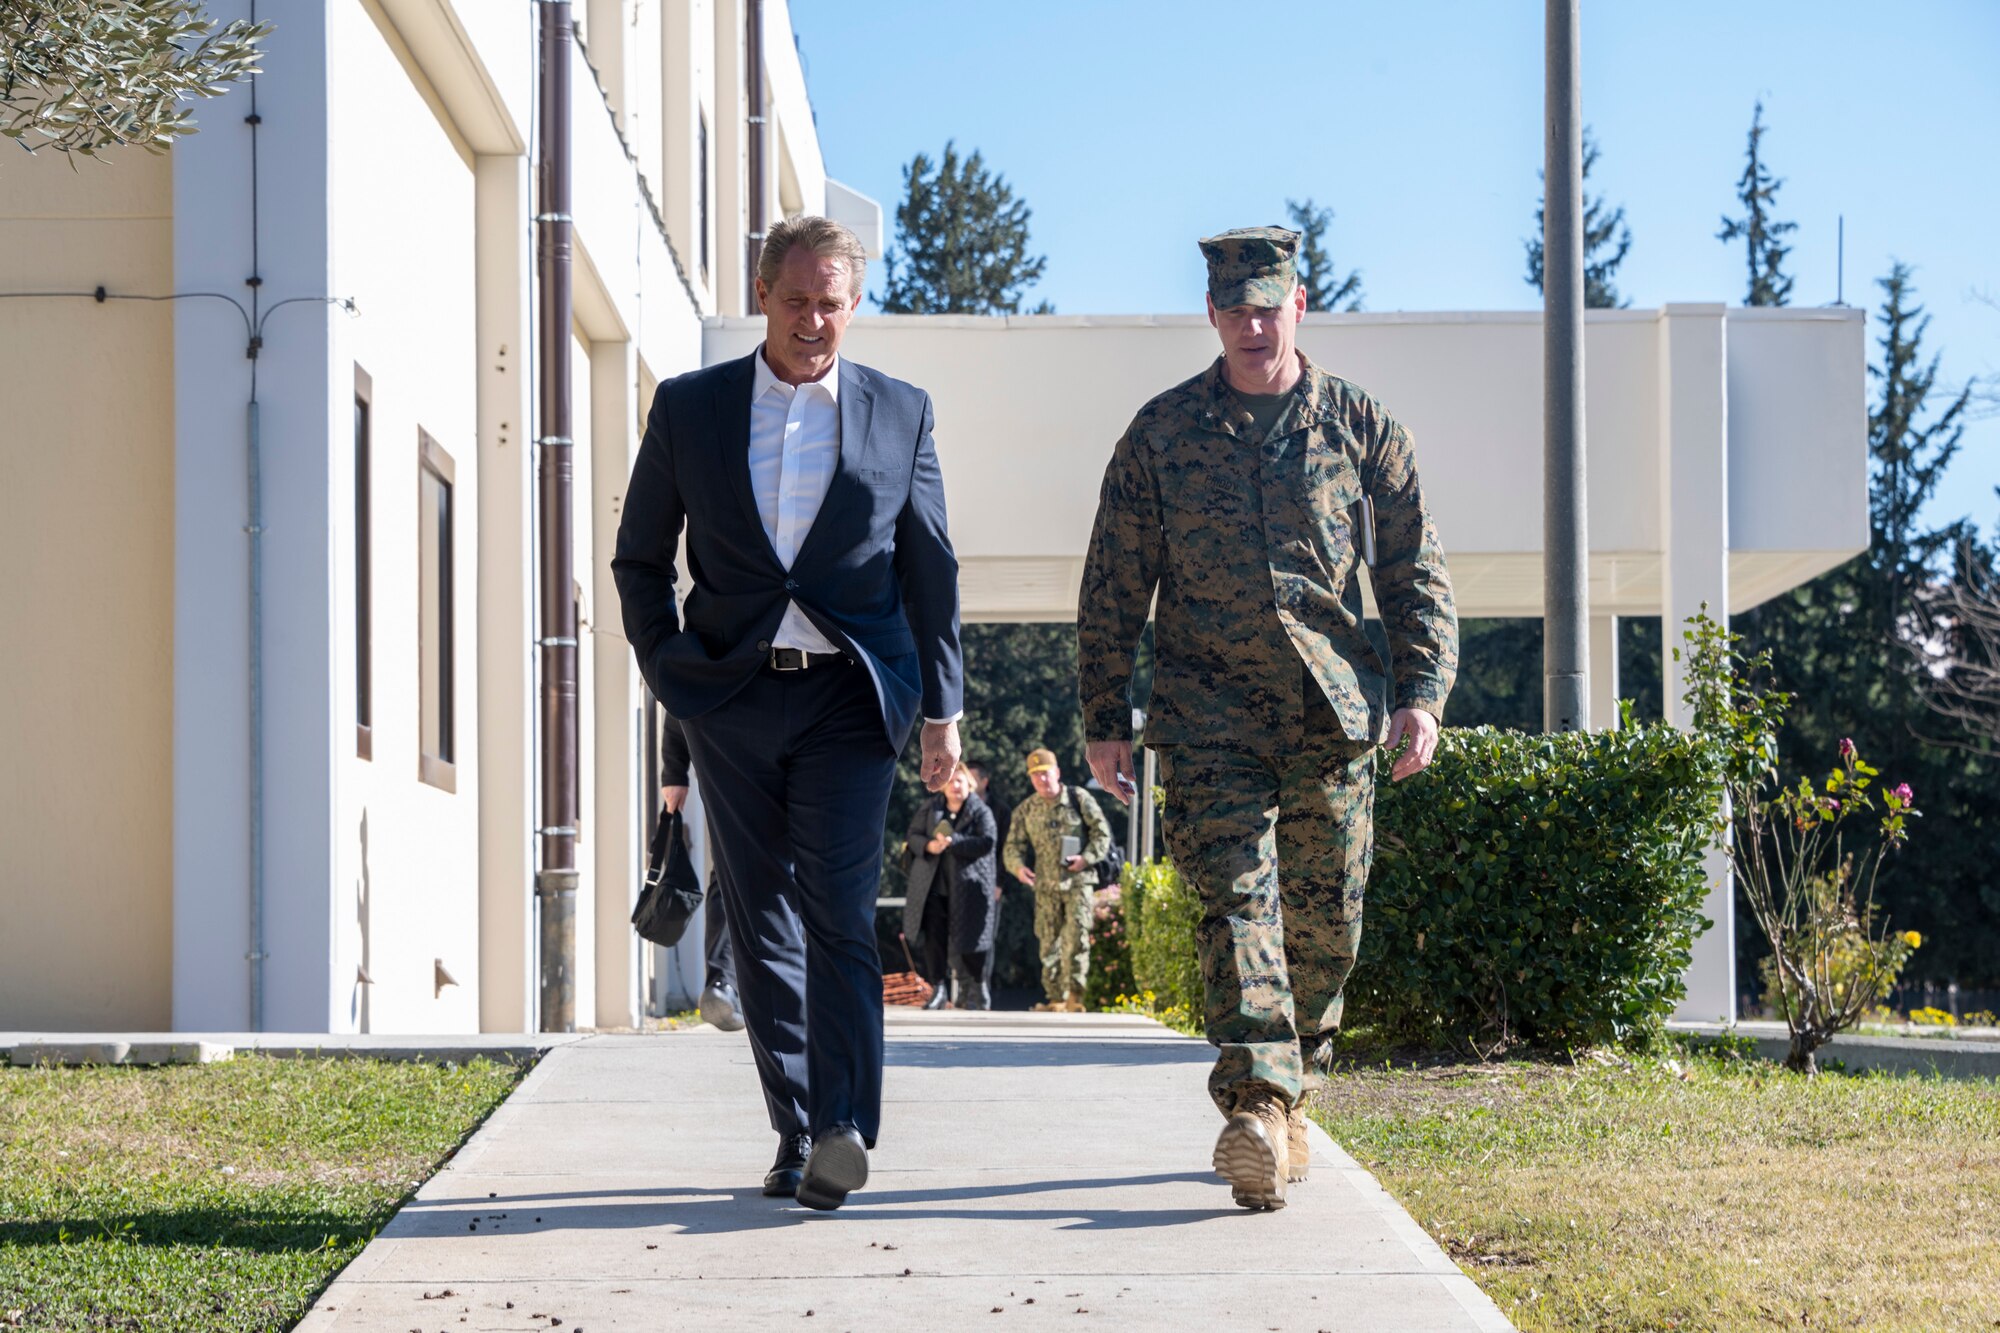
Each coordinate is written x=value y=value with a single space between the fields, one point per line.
x=1110 y=953
x=1539 y=889
x=1806 y=857
x=1527 y=889
x=1163 y=950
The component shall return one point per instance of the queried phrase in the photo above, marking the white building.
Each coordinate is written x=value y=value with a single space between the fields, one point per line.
x=391 y=163
x=393 y=154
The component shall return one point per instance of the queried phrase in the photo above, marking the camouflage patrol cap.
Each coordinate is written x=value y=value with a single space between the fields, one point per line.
x=1251 y=266
x=1039 y=760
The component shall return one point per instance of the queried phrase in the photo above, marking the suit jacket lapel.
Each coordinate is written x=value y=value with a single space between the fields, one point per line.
x=732 y=435
x=856 y=407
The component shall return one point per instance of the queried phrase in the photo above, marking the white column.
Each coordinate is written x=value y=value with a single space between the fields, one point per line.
x=211 y=768
x=613 y=828
x=1604 y=672
x=604 y=37
x=1694 y=527
x=731 y=202
x=506 y=583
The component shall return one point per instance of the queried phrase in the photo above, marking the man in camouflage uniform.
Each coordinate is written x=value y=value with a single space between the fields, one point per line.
x=1244 y=496
x=1064 y=886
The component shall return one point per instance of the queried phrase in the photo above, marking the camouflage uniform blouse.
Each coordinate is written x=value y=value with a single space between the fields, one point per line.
x=1039 y=827
x=1251 y=546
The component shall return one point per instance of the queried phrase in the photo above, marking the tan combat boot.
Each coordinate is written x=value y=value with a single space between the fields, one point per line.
x=1253 y=1151
x=1300 y=1144
x=1073 y=1003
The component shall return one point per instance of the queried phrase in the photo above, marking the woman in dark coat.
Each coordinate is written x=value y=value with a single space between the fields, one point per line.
x=953 y=900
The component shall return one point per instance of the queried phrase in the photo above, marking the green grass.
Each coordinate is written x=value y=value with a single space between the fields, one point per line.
x=1694 y=1190
x=212 y=1197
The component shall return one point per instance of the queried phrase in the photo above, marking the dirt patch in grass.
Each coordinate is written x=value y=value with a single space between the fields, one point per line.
x=214 y=1197
x=1694 y=1191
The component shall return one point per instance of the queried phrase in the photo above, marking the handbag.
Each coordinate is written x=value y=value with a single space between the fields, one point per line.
x=672 y=892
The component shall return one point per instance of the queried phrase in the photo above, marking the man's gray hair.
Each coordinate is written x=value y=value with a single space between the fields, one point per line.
x=823 y=236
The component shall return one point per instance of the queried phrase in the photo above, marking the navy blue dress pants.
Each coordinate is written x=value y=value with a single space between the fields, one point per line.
x=718 y=962
x=796 y=770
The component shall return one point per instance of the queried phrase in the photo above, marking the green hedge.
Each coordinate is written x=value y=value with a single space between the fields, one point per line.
x=1163 y=953
x=1527 y=889
x=1544 y=889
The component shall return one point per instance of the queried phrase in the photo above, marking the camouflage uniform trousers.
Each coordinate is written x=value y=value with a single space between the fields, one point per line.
x=1278 y=847
x=1062 y=928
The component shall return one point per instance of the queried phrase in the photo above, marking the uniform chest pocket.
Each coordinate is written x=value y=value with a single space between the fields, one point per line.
x=881 y=478
x=1219 y=484
x=1332 y=491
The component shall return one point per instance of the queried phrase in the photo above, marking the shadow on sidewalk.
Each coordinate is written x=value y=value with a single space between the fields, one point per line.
x=986 y=1052
x=693 y=1211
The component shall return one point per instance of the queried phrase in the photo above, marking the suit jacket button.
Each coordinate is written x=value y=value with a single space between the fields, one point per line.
x=791 y=585
x=763 y=645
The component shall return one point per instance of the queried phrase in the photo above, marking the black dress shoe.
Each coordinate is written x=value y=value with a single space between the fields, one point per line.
x=838 y=1166
x=719 y=1008
x=782 y=1180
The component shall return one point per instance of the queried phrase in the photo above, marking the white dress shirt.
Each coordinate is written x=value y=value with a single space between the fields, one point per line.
x=794 y=448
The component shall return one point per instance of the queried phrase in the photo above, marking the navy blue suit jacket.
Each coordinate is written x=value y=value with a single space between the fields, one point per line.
x=875 y=573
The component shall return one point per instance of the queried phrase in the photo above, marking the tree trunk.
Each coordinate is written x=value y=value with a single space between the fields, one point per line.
x=1801 y=1059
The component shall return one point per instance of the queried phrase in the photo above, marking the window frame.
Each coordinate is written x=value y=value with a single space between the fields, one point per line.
x=438 y=770
x=702 y=187
x=364 y=564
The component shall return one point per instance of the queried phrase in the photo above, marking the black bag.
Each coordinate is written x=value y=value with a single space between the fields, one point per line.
x=1111 y=869
x=672 y=891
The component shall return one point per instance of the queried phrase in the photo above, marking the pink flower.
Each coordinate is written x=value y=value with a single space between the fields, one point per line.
x=1833 y=805
x=1904 y=794
x=1846 y=747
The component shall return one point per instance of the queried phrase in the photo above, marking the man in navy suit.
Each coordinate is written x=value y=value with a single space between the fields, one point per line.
x=822 y=624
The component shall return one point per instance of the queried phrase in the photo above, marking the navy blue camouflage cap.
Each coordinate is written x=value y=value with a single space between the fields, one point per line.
x=1251 y=266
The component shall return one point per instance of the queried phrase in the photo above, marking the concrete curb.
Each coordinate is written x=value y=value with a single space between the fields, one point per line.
x=161 y=1048
x=1886 y=1055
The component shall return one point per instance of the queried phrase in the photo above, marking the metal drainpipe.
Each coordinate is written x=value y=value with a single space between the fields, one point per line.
x=753 y=86
x=254 y=468
x=556 y=876
x=255 y=528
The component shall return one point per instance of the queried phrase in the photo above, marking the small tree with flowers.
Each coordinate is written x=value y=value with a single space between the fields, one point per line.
x=1807 y=855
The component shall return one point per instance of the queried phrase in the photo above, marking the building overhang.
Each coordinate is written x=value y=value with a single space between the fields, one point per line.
x=1028 y=409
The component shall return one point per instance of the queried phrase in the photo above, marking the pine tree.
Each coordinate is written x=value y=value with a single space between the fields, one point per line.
x=1765 y=253
x=1911 y=458
x=1606 y=240
x=1325 y=287
x=961 y=242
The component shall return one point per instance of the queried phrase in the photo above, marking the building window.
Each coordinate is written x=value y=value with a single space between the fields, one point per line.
x=364 y=646
x=435 y=639
x=701 y=177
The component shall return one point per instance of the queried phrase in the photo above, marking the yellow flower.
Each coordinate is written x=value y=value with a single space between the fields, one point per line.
x=1911 y=938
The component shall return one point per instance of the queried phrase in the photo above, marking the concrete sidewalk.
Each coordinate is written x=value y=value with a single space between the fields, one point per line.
x=1035 y=1171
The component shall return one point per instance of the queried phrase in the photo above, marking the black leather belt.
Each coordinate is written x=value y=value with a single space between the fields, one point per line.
x=797 y=659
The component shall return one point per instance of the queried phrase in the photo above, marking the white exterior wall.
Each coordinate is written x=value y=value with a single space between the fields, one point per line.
x=212 y=252
x=412 y=848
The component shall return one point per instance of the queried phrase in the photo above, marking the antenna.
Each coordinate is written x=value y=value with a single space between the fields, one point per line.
x=1840 y=263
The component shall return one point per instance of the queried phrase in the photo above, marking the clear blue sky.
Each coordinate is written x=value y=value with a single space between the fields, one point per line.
x=1133 y=127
